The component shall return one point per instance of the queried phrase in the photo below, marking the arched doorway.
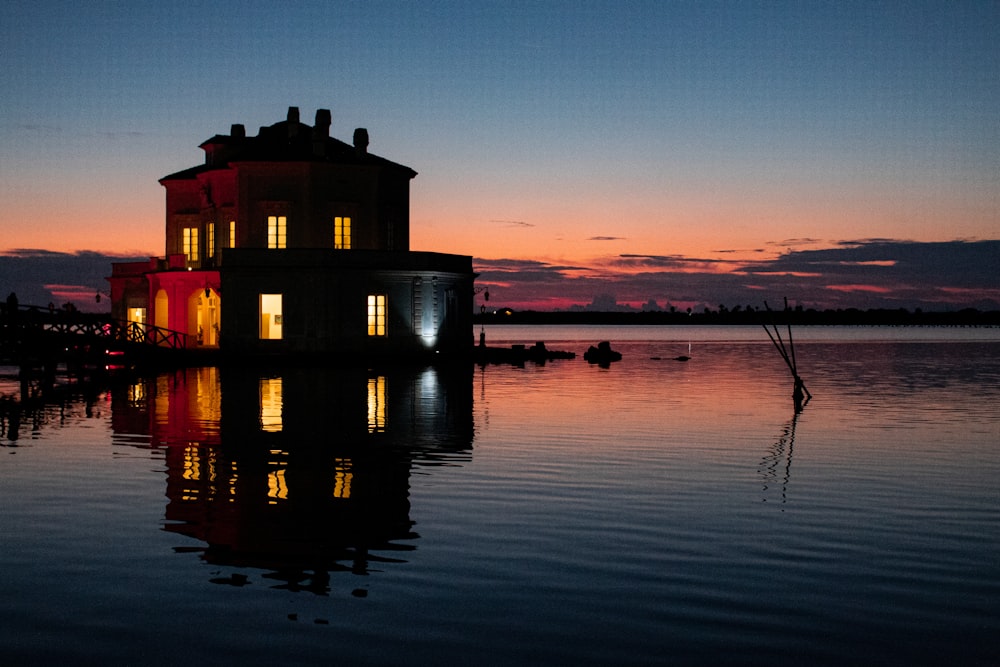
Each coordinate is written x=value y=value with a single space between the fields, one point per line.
x=161 y=310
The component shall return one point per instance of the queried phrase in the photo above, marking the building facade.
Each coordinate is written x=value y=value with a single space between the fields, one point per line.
x=293 y=242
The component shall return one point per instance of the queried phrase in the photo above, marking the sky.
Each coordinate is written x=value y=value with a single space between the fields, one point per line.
x=621 y=154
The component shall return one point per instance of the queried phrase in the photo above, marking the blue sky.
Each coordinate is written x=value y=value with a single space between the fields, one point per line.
x=567 y=135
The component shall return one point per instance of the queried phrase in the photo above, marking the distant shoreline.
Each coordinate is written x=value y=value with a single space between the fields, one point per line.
x=968 y=317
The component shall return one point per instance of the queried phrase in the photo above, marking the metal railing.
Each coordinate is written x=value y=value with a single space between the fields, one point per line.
x=28 y=320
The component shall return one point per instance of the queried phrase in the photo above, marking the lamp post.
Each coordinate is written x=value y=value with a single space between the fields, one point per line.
x=482 y=313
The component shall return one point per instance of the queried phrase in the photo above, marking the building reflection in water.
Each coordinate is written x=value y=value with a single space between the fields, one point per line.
x=300 y=472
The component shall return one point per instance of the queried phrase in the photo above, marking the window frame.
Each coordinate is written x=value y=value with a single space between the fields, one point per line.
x=189 y=244
x=378 y=315
x=210 y=240
x=342 y=231
x=277 y=231
x=275 y=321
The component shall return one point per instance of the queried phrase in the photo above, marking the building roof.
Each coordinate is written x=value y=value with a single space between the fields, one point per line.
x=289 y=140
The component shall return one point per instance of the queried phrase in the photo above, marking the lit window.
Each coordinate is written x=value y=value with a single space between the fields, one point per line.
x=342 y=233
x=210 y=240
x=232 y=233
x=137 y=315
x=376 y=314
x=271 y=319
x=276 y=231
x=190 y=241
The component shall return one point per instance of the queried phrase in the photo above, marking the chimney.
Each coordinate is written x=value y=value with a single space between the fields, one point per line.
x=293 y=122
x=321 y=132
x=238 y=131
x=322 y=127
x=361 y=140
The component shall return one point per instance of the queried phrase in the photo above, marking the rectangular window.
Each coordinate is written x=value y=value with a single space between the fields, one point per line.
x=376 y=315
x=210 y=240
x=190 y=243
x=342 y=232
x=232 y=233
x=271 y=318
x=276 y=231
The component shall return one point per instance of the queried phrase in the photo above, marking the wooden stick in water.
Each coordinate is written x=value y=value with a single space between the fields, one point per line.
x=788 y=354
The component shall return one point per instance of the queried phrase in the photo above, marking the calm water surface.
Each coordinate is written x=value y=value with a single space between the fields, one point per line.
x=652 y=512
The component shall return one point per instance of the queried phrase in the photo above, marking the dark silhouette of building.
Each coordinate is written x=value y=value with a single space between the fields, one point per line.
x=306 y=240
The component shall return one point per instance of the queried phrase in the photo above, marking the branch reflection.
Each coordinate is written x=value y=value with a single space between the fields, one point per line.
x=776 y=467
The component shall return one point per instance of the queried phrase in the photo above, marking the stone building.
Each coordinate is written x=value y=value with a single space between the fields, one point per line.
x=293 y=242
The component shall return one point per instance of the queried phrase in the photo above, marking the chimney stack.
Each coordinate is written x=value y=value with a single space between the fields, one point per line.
x=361 y=140
x=322 y=127
x=238 y=131
x=293 y=122
x=321 y=132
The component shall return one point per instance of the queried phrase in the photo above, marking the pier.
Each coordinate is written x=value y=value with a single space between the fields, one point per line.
x=43 y=343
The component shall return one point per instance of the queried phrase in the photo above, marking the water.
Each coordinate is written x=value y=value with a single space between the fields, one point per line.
x=652 y=512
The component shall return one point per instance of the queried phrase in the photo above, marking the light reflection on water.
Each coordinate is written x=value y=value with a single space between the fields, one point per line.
x=653 y=511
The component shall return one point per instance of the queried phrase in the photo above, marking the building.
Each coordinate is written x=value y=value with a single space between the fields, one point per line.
x=293 y=242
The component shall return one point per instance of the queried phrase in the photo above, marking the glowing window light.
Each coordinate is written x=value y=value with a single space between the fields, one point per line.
x=210 y=240
x=276 y=231
x=137 y=315
x=189 y=236
x=342 y=232
x=232 y=233
x=376 y=314
x=271 y=316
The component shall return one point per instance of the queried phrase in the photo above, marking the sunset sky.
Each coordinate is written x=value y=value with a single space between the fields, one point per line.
x=683 y=153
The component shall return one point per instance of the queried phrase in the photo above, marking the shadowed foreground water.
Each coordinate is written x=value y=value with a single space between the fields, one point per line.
x=652 y=512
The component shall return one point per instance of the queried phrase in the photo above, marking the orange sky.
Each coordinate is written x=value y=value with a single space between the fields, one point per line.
x=566 y=135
